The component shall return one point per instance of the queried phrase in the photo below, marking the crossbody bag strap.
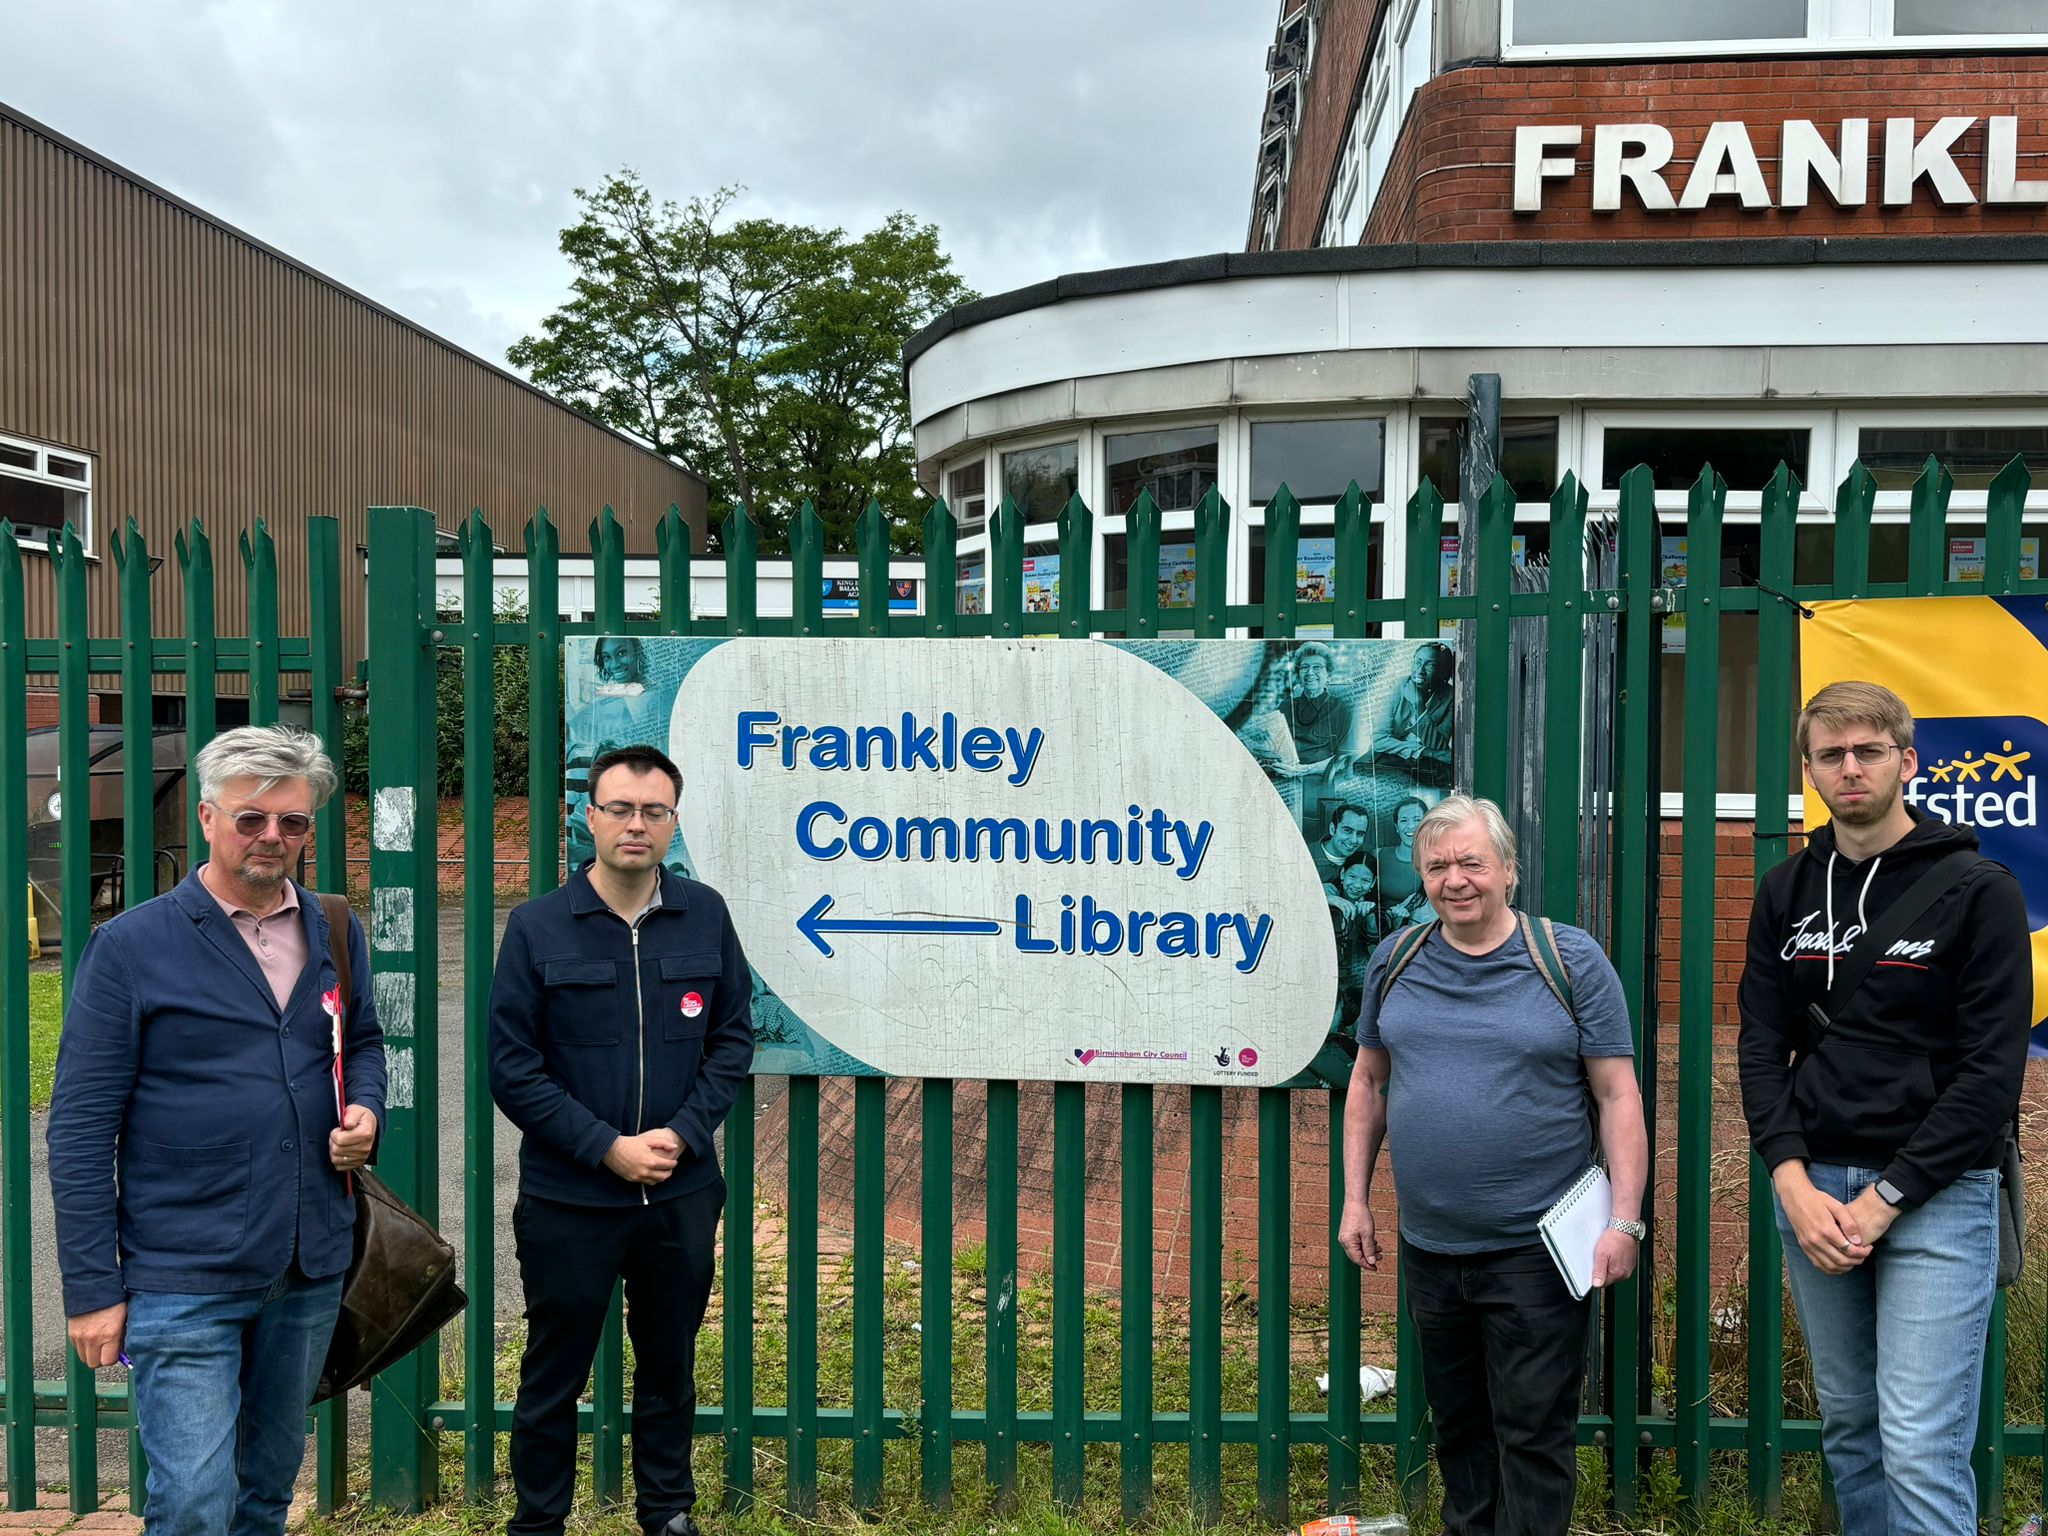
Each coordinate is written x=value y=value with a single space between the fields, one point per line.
x=336 y=910
x=1407 y=945
x=1888 y=930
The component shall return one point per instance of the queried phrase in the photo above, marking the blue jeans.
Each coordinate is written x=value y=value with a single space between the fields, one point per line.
x=221 y=1386
x=1898 y=1355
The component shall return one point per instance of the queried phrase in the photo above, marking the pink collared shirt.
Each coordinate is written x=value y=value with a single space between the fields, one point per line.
x=277 y=939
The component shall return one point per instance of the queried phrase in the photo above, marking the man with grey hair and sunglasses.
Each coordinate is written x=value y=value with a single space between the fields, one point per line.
x=214 y=1095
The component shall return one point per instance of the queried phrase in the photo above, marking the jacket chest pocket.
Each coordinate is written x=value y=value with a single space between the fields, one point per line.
x=584 y=1001
x=688 y=988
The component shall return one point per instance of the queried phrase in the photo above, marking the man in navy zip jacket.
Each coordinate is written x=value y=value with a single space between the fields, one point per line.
x=621 y=1029
x=1884 y=1132
x=200 y=1149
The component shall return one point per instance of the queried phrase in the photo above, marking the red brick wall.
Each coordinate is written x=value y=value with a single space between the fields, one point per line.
x=1452 y=173
x=1323 y=112
x=42 y=707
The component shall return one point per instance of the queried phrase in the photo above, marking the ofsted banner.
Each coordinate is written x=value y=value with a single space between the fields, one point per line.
x=1974 y=671
x=1154 y=861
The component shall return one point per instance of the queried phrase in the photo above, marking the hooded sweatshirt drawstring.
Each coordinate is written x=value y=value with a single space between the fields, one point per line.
x=1862 y=921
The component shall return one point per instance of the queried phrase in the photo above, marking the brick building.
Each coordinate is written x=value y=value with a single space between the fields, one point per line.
x=1799 y=231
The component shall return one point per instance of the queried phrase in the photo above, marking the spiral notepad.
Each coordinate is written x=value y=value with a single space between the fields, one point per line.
x=1571 y=1228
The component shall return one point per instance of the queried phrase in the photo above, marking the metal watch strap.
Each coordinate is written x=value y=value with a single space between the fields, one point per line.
x=1635 y=1229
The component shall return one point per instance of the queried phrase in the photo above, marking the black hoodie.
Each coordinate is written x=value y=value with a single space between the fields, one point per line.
x=1921 y=1073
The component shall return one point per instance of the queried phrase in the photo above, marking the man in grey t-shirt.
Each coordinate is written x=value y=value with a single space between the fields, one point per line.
x=1478 y=1074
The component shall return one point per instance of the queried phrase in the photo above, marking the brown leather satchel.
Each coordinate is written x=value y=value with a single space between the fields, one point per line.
x=401 y=1284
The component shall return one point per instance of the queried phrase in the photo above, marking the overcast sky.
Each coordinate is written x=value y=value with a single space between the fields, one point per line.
x=426 y=155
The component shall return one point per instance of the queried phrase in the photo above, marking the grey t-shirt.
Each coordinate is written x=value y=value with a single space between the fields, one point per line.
x=1486 y=1103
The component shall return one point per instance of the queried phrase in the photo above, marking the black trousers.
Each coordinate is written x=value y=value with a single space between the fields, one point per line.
x=570 y=1256
x=1503 y=1353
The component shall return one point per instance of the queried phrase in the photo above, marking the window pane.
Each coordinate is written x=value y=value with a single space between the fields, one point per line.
x=27 y=504
x=1041 y=480
x=1657 y=21
x=1315 y=574
x=1745 y=457
x=68 y=469
x=1974 y=455
x=1176 y=578
x=1176 y=467
x=967 y=497
x=1926 y=18
x=1528 y=454
x=18 y=457
x=971 y=584
x=1317 y=460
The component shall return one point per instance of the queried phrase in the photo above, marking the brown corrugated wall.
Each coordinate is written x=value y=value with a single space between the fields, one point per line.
x=210 y=377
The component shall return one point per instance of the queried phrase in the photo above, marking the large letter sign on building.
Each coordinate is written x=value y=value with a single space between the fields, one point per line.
x=1974 y=671
x=1158 y=861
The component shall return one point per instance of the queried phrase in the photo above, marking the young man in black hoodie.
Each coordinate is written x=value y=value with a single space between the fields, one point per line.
x=1884 y=1133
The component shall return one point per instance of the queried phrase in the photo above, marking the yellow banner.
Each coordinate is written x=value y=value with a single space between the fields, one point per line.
x=1974 y=671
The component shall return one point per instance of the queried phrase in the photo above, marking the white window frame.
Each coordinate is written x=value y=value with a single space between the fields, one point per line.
x=1741 y=506
x=1832 y=26
x=1898 y=503
x=34 y=536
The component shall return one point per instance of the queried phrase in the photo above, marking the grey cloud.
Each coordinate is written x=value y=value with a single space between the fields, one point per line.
x=428 y=154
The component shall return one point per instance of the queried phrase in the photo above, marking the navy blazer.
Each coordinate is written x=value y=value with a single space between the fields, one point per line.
x=188 y=1128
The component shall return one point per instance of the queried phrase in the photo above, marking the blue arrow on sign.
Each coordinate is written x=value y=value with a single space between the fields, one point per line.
x=814 y=926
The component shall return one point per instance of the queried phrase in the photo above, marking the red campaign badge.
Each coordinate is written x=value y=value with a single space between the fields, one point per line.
x=692 y=1005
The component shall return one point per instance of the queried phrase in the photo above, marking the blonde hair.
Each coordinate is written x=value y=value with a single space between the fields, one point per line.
x=1845 y=704
x=1455 y=811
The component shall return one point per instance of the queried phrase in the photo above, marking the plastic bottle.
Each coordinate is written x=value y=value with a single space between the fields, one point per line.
x=1357 y=1525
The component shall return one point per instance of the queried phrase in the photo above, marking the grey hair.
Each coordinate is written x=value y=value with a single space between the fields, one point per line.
x=1463 y=810
x=268 y=754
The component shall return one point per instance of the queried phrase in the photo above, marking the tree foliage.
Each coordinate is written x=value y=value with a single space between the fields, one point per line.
x=765 y=355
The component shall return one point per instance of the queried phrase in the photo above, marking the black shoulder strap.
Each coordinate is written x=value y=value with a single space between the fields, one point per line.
x=1890 y=927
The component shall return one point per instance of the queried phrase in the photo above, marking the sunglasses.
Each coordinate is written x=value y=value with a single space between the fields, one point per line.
x=291 y=824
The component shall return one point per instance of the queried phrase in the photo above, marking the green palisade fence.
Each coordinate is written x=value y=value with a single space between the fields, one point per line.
x=778 y=1414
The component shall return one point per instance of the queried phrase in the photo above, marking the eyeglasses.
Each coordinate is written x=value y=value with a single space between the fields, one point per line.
x=1471 y=865
x=290 y=824
x=626 y=810
x=1869 y=753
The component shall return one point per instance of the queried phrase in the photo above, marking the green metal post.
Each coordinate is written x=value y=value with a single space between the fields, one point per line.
x=1069 y=1296
x=1637 y=834
x=871 y=550
x=672 y=547
x=74 y=853
x=1212 y=555
x=1852 y=533
x=1777 y=634
x=1283 y=544
x=259 y=566
x=1492 y=674
x=202 y=667
x=1564 y=702
x=1276 y=1238
x=17 y=1305
x=742 y=597
x=404 y=946
x=138 y=780
x=330 y=842
x=544 y=766
x=1141 y=545
x=1000 y=1406
x=2004 y=506
x=479 y=900
x=1693 y=1407
x=1006 y=572
x=1411 y=1411
x=802 y=1482
x=1354 y=532
x=608 y=1373
x=1137 y=1339
x=935 y=1277
x=1205 y=1301
x=736 y=1274
x=1077 y=568
x=1927 y=536
x=941 y=601
x=807 y=571
x=870 y=1183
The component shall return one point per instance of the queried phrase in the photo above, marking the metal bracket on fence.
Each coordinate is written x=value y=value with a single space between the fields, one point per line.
x=1790 y=602
x=345 y=694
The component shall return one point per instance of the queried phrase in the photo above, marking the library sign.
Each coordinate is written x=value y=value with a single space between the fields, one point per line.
x=1888 y=158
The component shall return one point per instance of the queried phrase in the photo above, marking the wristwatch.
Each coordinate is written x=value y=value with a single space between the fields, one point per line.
x=1635 y=1229
x=1890 y=1194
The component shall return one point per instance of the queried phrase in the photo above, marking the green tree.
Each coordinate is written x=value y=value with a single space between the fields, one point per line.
x=767 y=356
